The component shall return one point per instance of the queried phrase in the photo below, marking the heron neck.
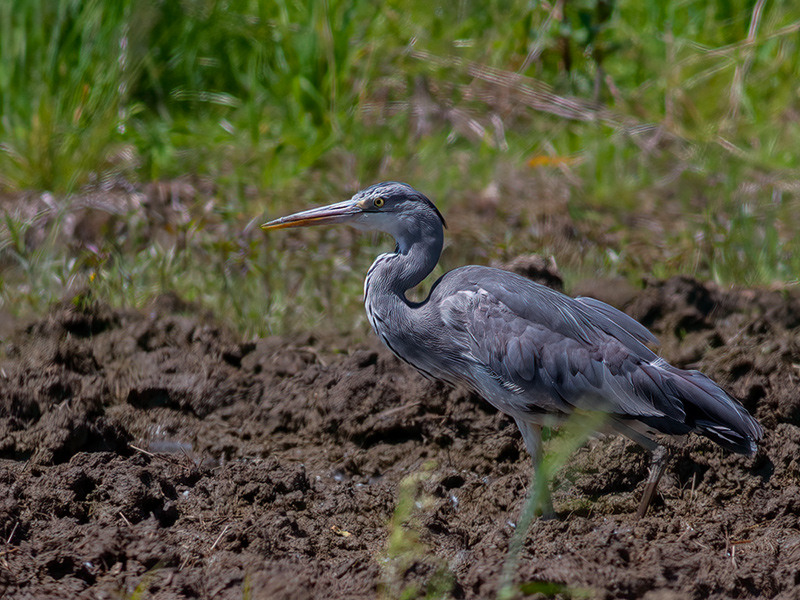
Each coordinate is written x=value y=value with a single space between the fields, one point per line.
x=411 y=262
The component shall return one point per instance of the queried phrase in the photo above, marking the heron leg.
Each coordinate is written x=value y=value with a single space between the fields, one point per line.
x=659 y=460
x=532 y=436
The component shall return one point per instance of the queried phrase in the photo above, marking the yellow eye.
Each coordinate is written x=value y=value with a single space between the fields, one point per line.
x=378 y=202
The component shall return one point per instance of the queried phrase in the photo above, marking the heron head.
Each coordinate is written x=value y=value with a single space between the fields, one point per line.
x=395 y=208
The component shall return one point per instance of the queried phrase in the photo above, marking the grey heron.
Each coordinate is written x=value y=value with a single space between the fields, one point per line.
x=532 y=352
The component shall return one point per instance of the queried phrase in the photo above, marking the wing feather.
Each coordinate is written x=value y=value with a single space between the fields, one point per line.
x=619 y=320
x=558 y=353
x=588 y=370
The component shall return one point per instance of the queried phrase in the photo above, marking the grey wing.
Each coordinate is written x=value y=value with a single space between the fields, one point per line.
x=619 y=320
x=557 y=353
x=557 y=369
x=584 y=319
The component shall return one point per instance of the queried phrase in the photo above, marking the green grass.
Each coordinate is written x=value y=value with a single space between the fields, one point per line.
x=405 y=552
x=678 y=115
x=573 y=434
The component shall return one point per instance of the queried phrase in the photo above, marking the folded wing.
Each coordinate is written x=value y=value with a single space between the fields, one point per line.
x=558 y=354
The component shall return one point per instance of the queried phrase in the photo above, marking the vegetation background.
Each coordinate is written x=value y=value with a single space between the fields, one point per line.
x=143 y=142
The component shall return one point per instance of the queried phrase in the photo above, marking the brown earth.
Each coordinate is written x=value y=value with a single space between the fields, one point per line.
x=153 y=454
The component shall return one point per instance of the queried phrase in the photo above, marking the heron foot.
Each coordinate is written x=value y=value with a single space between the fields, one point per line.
x=546 y=507
x=548 y=515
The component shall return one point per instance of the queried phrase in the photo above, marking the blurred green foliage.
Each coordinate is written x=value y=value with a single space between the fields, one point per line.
x=642 y=106
x=405 y=552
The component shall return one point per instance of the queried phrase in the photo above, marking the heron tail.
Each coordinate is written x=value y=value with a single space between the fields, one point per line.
x=713 y=413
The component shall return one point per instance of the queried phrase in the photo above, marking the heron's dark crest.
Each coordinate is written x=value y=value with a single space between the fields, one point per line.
x=395 y=193
x=534 y=353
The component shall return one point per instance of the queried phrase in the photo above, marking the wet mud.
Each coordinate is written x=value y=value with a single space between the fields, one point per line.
x=153 y=454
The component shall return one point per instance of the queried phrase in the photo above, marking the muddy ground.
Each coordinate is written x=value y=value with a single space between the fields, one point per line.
x=152 y=454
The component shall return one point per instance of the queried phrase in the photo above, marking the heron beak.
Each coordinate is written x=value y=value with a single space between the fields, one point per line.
x=340 y=212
